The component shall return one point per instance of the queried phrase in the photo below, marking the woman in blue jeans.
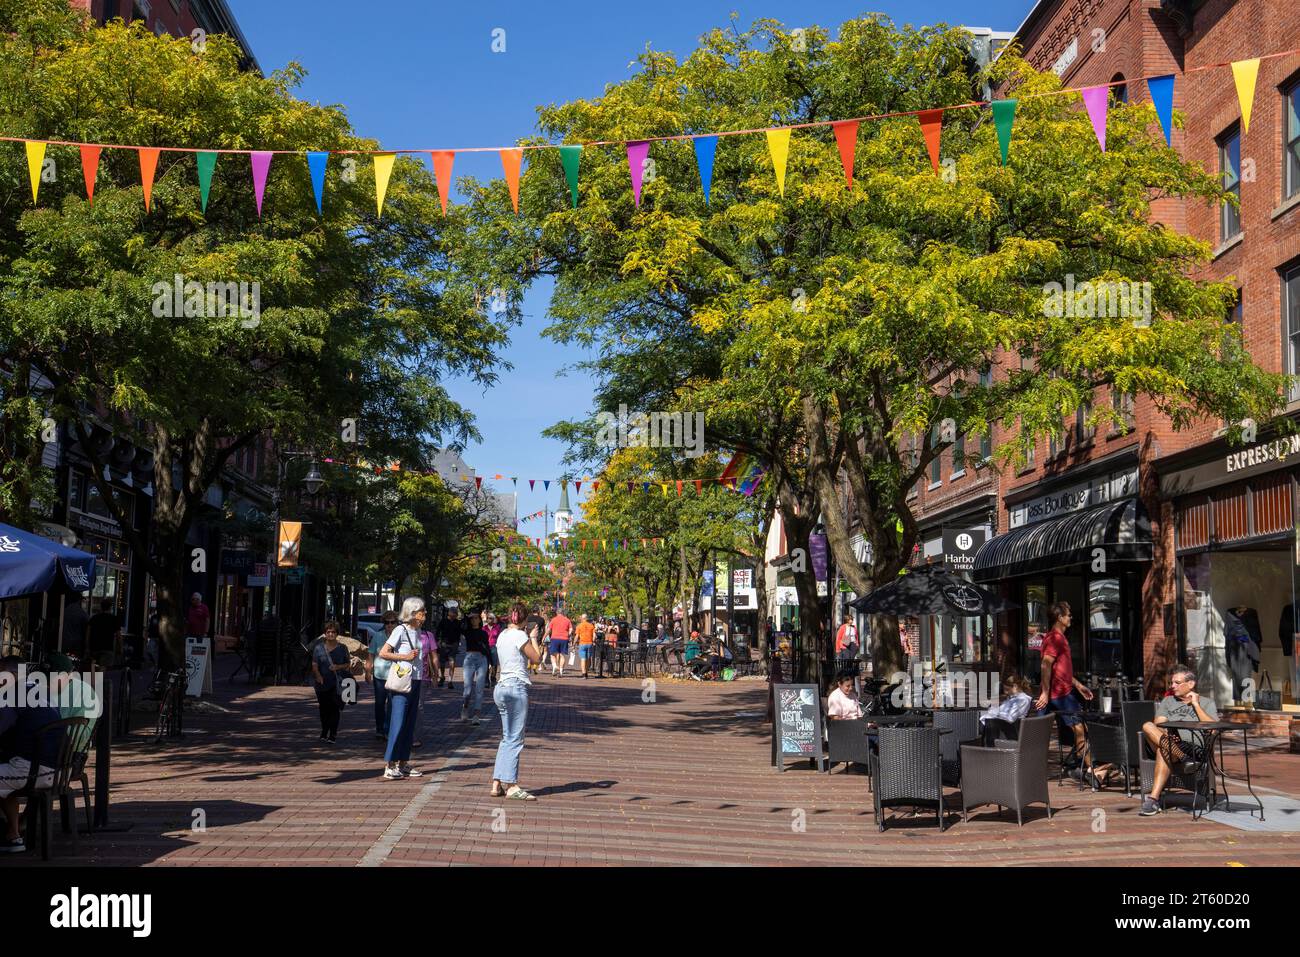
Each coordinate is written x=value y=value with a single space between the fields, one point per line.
x=516 y=651
x=403 y=645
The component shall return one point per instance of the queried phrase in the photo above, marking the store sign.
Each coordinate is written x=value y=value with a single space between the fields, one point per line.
x=1236 y=464
x=1075 y=498
x=787 y=595
x=237 y=561
x=960 y=546
x=1278 y=451
x=742 y=578
x=260 y=577
x=95 y=526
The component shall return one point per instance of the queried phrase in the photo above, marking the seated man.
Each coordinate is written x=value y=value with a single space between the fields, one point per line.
x=843 y=704
x=1171 y=749
x=20 y=747
x=1002 y=720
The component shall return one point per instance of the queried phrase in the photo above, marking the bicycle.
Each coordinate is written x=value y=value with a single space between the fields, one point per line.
x=170 y=704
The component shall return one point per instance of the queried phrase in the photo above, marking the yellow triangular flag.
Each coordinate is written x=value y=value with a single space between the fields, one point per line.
x=35 y=160
x=383 y=170
x=778 y=144
x=1244 y=73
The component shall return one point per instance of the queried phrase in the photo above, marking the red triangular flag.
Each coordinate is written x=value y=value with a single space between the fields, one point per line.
x=90 y=169
x=931 y=126
x=577 y=487
x=846 y=137
x=478 y=481
x=442 y=163
x=595 y=486
x=148 y=167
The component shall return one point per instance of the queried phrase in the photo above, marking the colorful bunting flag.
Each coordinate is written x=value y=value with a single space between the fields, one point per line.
x=1161 y=89
x=1004 y=115
x=511 y=161
x=932 y=128
x=206 y=163
x=706 y=148
x=637 y=151
x=383 y=170
x=35 y=160
x=1097 y=100
x=316 y=163
x=570 y=158
x=1244 y=74
x=148 y=167
x=778 y=144
x=530 y=484
x=261 y=163
x=577 y=487
x=846 y=138
x=442 y=163
x=90 y=169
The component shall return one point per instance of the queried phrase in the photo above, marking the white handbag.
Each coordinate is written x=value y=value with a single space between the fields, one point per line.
x=573 y=656
x=399 y=676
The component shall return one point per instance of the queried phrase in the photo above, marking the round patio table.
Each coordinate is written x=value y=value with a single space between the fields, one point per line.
x=1210 y=734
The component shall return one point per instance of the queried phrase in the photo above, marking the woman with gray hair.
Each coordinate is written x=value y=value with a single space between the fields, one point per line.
x=403 y=649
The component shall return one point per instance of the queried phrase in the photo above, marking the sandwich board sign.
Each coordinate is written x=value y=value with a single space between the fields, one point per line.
x=797 y=730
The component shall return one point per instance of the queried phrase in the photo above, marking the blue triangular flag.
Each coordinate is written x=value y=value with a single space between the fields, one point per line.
x=705 y=148
x=1161 y=89
x=316 y=163
x=546 y=485
x=645 y=486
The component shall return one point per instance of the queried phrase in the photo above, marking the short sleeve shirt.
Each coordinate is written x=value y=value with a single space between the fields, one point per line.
x=1171 y=709
x=324 y=659
x=586 y=632
x=1057 y=646
x=403 y=641
x=513 y=667
x=560 y=627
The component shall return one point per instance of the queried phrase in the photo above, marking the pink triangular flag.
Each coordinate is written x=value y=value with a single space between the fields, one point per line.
x=637 y=151
x=1097 y=100
x=261 y=163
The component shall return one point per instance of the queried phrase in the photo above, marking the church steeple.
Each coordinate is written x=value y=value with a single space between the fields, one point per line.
x=563 y=514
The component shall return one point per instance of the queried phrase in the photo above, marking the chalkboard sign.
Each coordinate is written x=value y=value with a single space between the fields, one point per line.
x=797 y=731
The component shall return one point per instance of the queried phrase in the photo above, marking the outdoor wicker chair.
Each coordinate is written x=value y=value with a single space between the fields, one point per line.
x=1014 y=774
x=1184 y=776
x=905 y=771
x=1135 y=714
x=74 y=739
x=964 y=723
x=847 y=742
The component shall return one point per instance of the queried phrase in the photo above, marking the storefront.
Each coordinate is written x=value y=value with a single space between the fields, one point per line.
x=116 y=579
x=1087 y=542
x=953 y=540
x=1237 y=548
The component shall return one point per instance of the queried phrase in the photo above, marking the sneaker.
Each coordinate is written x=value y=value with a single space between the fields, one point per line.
x=476 y=721
x=333 y=738
x=392 y=774
x=1150 y=807
x=16 y=846
x=464 y=715
x=324 y=736
x=407 y=771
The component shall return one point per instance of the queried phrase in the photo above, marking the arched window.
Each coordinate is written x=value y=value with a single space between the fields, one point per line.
x=1119 y=91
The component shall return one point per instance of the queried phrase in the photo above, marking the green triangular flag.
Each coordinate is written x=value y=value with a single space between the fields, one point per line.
x=207 y=163
x=570 y=156
x=1004 y=113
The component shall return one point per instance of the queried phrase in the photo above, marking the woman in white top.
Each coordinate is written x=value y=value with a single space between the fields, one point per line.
x=1002 y=720
x=516 y=650
x=403 y=645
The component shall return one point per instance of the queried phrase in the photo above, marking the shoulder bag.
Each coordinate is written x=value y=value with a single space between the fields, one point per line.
x=400 y=675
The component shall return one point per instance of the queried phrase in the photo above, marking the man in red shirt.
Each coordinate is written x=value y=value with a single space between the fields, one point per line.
x=558 y=631
x=1059 y=684
x=197 y=617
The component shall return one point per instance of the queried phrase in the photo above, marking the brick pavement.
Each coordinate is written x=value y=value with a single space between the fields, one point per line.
x=682 y=780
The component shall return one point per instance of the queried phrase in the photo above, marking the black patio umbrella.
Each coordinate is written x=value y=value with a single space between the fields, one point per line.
x=932 y=590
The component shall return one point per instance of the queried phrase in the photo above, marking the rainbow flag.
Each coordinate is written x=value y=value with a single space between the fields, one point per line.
x=744 y=468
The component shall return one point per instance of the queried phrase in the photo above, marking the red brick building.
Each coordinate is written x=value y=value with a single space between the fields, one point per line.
x=1198 y=540
x=177 y=17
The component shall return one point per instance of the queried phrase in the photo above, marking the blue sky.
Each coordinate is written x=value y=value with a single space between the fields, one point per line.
x=417 y=74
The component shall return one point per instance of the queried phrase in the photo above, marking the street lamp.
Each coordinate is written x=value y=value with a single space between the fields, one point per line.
x=313 y=480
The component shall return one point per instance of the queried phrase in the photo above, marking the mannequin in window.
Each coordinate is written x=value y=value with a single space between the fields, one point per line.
x=1286 y=630
x=1242 y=636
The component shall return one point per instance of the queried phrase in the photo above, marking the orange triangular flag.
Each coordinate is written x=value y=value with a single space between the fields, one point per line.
x=511 y=161
x=846 y=137
x=148 y=167
x=679 y=486
x=90 y=169
x=931 y=124
x=442 y=162
x=699 y=486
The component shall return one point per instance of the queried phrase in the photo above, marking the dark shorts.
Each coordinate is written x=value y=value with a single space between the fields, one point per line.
x=559 y=646
x=1067 y=710
x=446 y=657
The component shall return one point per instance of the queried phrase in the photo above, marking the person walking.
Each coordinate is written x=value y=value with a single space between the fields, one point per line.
x=476 y=666
x=449 y=634
x=558 y=631
x=586 y=632
x=516 y=649
x=403 y=648
x=377 y=669
x=536 y=618
x=494 y=628
x=328 y=659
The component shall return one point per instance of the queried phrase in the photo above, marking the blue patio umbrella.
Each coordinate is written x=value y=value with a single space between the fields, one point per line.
x=30 y=565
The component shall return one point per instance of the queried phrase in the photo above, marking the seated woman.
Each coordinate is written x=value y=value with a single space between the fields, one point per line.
x=1002 y=719
x=843 y=702
x=693 y=647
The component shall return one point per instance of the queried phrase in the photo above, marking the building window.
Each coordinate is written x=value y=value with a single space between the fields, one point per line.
x=936 y=463
x=1083 y=429
x=1122 y=403
x=1291 y=141
x=986 y=440
x=1119 y=89
x=958 y=456
x=1291 y=320
x=1230 y=171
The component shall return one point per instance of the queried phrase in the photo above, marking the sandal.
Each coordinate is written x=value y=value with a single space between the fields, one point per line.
x=497 y=791
x=517 y=793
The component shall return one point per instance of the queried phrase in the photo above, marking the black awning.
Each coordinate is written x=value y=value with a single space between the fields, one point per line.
x=1121 y=529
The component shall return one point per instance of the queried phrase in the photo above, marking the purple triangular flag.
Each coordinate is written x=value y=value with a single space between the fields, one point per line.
x=637 y=151
x=261 y=160
x=1097 y=100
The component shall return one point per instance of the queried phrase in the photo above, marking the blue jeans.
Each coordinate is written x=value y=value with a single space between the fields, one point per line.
x=382 y=706
x=512 y=701
x=474 y=674
x=401 y=726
